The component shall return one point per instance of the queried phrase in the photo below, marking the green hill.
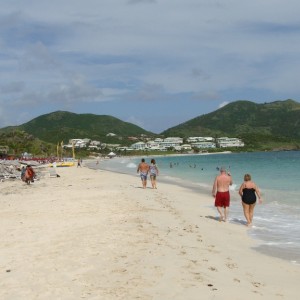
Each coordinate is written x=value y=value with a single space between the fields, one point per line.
x=275 y=123
x=280 y=118
x=267 y=126
x=62 y=126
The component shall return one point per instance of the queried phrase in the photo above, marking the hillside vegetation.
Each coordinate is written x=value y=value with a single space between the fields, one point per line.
x=62 y=126
x=267 y=126
x=20 y=142
x=275 y=124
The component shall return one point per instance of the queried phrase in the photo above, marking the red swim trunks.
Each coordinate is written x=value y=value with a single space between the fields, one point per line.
x=222 y=199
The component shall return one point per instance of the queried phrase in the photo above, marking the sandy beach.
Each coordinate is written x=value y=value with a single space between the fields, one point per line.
x=92 y=234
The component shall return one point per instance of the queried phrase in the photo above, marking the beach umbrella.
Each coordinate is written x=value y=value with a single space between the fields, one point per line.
x=111 y=154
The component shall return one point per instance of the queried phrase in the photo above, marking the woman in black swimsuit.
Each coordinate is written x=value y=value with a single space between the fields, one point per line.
x=248 y=191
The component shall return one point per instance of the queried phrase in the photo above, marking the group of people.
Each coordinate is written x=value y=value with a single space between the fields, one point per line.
x=248 y=191
x=144 y=169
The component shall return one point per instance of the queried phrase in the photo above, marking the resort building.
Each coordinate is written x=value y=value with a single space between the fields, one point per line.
x=152 y=145
x=159 y=144
x=138 y=146
x=170 y=142
x=203 y=145
x=111 y=134
x=124 y=149
x=78 y=143
x=158 y=140
x=186 y=147
x=176 y=140
x=224 y=142
x=95 y=143
x=194 y=139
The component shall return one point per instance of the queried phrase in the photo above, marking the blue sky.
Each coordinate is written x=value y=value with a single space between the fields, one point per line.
x=154 y=63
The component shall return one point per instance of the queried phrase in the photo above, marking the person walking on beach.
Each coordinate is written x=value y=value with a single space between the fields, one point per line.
x=153 y=173
x=143 y=169
x=248 y=191
x=79 y=163
x=221 y=193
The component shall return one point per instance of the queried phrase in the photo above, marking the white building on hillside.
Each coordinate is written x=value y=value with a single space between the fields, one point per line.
x=194 y=139
x=95 y=143
x=158 y=140
x=78 y=143
x=169 y=144
x=224 y=142
x=204 y=145
x=177 y=140
x=138 y=146
x=186 y=147
x=152 y=145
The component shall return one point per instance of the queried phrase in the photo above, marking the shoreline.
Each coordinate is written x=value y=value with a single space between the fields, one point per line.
x=236 y=217
x=97 y=234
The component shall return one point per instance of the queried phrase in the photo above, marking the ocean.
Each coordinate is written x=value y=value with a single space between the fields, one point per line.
x=276 y=224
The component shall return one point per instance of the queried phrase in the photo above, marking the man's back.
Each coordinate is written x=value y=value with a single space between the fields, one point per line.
x=221 y=193
x=223 y=181
x=143 y=167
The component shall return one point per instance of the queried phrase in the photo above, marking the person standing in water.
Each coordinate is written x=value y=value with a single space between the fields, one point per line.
x=221 y=193
x=153 y=173
x=248 y=192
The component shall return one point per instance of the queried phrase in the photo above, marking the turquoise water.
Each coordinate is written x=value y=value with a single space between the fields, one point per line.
x=276 y=221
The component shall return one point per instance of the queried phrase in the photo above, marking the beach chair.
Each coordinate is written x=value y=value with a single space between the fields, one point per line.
x=52 y=173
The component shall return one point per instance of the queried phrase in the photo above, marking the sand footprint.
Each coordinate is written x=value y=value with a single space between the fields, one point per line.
x=188 y=228
x=211 y=249
x=257 y=284
x=231 y=265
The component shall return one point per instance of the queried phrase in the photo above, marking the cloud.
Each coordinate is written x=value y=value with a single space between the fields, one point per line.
x=148 y=92
x=141 y=1
x=37 y=57
x=12 y=87
x=206 y=96
x=98 y=53
x=136 y=121
x=223 y=104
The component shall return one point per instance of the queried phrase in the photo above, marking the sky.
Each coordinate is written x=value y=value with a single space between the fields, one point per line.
x=153 y=63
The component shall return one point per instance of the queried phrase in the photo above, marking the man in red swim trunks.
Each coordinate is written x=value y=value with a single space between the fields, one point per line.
x=221 y=194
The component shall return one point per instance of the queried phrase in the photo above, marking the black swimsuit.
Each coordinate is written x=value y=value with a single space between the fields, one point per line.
x=249 y=196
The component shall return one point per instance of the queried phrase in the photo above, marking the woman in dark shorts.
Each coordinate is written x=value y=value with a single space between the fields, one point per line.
x=248 y=191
